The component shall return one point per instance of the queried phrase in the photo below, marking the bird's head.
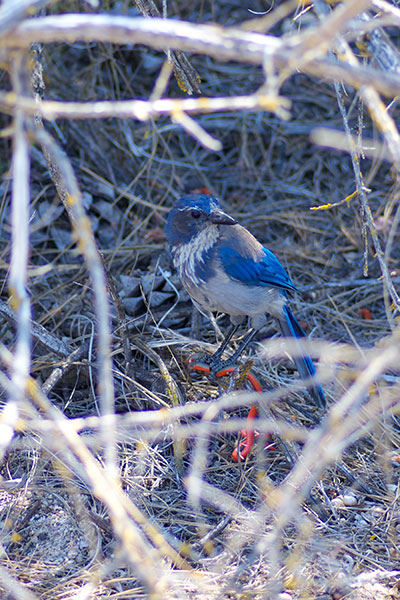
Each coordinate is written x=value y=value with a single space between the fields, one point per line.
x=191 y=215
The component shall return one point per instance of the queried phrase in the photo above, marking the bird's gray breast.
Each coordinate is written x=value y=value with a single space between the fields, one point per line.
x=212 y=289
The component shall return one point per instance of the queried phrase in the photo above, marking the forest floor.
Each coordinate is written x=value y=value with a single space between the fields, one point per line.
x=185 y=491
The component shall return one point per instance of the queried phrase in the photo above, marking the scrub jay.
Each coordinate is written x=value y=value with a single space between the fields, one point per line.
x=225 y=269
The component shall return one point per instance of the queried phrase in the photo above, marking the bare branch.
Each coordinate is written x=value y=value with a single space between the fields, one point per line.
x=144 y=110
x=225 y=44
x=20 y=236
x=13 y=12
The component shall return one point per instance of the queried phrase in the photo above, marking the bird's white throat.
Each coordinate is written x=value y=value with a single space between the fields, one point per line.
x=189 y=255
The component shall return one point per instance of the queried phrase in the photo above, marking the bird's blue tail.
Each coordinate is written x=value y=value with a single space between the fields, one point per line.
x=291 y=328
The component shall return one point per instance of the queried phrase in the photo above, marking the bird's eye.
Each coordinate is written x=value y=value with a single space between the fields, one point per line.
x=196 y=214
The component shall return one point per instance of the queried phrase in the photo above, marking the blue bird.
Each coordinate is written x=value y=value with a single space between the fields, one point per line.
x=224 y=268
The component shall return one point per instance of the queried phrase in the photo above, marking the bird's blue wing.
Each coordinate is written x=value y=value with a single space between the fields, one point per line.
x=265 y=270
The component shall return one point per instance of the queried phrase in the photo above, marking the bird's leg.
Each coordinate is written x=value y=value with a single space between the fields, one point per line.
x=221 y=349
x=246 y=340
x=212 y=363
x=216 y=364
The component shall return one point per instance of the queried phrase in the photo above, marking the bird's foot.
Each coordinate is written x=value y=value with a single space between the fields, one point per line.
x=215 y=369
x=207 y=364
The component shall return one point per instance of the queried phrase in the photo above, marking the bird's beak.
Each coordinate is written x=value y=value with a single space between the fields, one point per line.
x=218 y=217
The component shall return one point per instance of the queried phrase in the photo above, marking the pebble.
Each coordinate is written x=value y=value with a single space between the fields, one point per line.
x=338 y=502
x=344 y=500
x=349 y=500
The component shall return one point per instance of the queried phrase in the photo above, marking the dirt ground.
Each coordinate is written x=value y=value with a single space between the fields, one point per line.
x=185 y=520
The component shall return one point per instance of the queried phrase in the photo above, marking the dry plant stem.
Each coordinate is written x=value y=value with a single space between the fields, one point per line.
x=319 y=39
x=201 y=455
x=335 y=139
x=67 y=187
x=379 y=114
x=200 y=458
x=186 y=75
x=388 y=8
x=172 y=389
x=68 y=190
x=325 y=444
x=379 y=252
x=13 y=12
x=264 y=23
x=61 y=369
x=39 y=333
x=122 y=511
x=195 y=130
x=228 y=44
x=18 y=591
x=121 y=318
x=213 y=533
x=149 y=424
x=160 y=425
x=379 y=45
x=355 y=159
x=144 y=110
x=20 y=237
x=386 y=125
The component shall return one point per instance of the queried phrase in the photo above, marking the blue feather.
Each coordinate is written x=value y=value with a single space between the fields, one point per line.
x=267 y=271
x=291 y=328
x=225 y=268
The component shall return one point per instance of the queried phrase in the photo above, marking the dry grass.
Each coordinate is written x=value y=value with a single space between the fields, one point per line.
x=149 y=503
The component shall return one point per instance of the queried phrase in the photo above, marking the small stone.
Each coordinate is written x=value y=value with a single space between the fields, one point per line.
x=130 y=285
x=132 y=305
x=61 y=237
x=377 y=511
x=361 y=522
x=87 y=200
x=349 y=562
x=349 y=500
x=158 y=298
x=338 y=502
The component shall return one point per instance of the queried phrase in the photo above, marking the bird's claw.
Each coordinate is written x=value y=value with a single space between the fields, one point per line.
x=199 y=362
x=204 y=363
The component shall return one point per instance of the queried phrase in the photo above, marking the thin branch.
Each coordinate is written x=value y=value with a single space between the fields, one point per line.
x=19 y=297
x=228 y=44
x=13 y=12
x=144 y=110
x=186 y=75
x=127 y=519
x=338 y=431
x=387 y=126
x=68 y=190
x=39 y=333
